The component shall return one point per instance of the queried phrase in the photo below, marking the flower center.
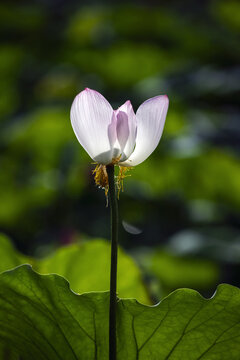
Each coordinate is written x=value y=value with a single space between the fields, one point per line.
x=101 y=176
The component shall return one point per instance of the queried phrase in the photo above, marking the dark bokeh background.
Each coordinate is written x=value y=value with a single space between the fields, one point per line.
x=180 y=208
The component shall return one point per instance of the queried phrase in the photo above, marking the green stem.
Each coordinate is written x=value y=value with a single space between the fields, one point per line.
x=113 y=276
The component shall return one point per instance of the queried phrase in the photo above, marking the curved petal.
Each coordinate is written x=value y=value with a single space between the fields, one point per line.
x=128 y=144
x=122 y=129
x=112 y=130
x=91 y=115
x=112 y=135
x=151 y=117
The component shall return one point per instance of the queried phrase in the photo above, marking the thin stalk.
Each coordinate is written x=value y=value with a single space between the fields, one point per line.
x=113 y=276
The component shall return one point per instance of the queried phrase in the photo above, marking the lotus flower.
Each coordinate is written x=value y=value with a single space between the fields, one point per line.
x=117 y=136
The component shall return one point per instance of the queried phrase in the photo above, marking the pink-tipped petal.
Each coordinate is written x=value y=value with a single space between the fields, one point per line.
x=132 y=126
x=112 y=130
x=122 y=129
x=91 y=116
x=151 y=117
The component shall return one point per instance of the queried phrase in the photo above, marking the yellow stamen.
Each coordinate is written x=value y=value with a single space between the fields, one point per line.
x=101 y=177
x=121 y=176
x=116 y=160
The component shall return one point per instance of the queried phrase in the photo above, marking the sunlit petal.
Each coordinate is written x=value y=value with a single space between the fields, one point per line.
x=112 y=130
x=151 y=117
x=129 y=144
x=113 y=139
x=122 y=129
x=91 y=115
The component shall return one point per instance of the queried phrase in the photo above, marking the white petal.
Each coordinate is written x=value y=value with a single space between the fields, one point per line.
x=122 y=129
x=91 y=116
x=112 y=135
x=151 y=117
x=129 y=145
x=112 y=130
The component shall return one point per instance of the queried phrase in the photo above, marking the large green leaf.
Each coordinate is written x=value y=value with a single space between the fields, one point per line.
x=86 y=265
x=6 y=353
x=41 y=318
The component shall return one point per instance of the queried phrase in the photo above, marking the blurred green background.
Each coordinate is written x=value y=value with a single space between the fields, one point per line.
x=179 y=213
